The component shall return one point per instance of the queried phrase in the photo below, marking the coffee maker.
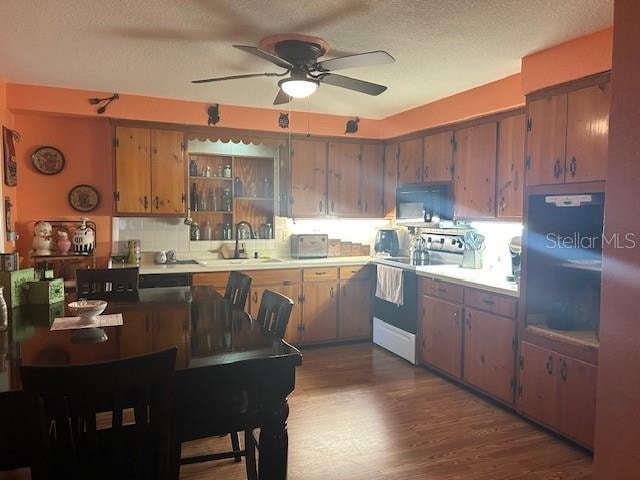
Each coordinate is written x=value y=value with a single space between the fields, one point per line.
x=515 y=249
x=386 y=243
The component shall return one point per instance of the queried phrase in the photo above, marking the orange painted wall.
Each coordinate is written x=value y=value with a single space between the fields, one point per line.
x=568 y=61
x=64 y=101
x=86 y=145
x=6 y=119
x=497 y=96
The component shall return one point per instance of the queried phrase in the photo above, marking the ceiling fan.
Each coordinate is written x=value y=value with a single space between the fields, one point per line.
x=298 y=55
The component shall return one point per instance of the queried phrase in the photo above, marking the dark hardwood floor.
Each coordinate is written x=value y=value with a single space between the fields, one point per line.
x=360 y=413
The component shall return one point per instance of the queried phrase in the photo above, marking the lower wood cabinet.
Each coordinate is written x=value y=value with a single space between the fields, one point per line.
x=319 y=312
x=355 y=309
x=558 y=391
x=441 y=344
x=489 y=346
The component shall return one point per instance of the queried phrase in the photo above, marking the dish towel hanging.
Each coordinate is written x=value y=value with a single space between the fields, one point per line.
x=389 y=284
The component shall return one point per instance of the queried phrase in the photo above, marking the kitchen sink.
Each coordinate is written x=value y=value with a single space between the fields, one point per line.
x=237 y=261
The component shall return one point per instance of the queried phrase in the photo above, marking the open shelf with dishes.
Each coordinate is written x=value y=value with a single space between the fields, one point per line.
x=227 y=189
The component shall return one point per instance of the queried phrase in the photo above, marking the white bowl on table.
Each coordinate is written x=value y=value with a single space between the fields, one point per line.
x=87 y=310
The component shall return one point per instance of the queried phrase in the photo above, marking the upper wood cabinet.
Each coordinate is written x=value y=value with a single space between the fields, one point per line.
x=475 y=171
x=510 y=179
x=150 y=175
x=308 y=178
x=371 y=181
x=438 y=157
x=390 y=181
x=410 y=161
x=567 y=136
x=344 y=179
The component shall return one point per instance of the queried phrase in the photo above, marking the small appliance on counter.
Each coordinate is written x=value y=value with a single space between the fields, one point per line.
x=386 y=244
x=310 y=245
x=515 y=249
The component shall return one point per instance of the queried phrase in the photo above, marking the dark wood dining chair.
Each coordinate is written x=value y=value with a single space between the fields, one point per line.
x=237 y=289
x=274 y=312
x=105 y=283
x=69 y=443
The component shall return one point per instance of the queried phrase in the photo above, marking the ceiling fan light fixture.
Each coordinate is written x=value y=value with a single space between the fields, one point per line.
x=297 y=88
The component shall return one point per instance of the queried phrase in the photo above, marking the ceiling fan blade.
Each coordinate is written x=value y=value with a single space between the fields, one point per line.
x=234 y=77
x=355 y=61
x=270 y=57
x=352 y=84
x=281 y=98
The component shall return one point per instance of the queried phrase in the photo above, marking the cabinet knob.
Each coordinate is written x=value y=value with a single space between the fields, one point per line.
x=557 y=168
x=418 y=173
x=549 y=365
x=573 y=166
x=563 y=369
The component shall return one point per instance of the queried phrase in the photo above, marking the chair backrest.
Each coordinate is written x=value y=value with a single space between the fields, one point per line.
x=274 y=312
x=237 y=289
x=106 y=281
x=64 y=401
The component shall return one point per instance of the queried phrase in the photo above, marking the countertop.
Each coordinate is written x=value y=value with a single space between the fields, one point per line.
x=481 y=279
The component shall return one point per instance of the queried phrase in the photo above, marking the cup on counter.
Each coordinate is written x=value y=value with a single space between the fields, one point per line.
x=161 y=257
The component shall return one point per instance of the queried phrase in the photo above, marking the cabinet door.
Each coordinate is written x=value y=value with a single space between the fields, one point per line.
x=489 y=358
x=410 y=161
x=438 y=157
x=167 y=172
x=354 y=319
x=441 y=335
x=511 y=166
x=344 y=179
x=588 y=133
x=475 y=171
x=308 y=178
x=390 y=179
x=577 y=399
x=292 y=333
x=320 y=311
x=371 y=181
x=546 y=140
x=538 y=385
x=133 y=167
x=171 y=329
x=135 y=334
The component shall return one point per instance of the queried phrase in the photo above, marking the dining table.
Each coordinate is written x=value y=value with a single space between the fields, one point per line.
x=231 y=373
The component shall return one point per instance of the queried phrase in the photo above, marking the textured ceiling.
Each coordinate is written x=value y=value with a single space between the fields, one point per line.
x=155 y=47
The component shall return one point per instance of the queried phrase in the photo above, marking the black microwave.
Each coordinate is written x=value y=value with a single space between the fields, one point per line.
x=424 y=203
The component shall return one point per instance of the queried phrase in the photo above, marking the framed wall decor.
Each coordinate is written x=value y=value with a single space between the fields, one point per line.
x=84 y=198
x=48 y=160
x=9 y=153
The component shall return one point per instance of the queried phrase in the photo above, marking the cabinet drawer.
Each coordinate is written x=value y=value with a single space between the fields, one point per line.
x=216 y=279
x=490 y=302
x=311 y=274
x=445 y=290
x=275 y=277
x=355 y=271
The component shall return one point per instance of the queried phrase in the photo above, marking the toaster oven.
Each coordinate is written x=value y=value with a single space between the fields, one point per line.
x=312 y=245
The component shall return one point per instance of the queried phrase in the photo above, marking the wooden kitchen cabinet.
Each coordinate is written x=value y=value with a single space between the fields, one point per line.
x=344 y=179
x=150 y=175
x=133 y=170
x=475 y=171
x=390 y=182
x=319 y=311
x=558 y=391
x=168 y=172
x=441 y=344
x=567 y=135
x=546 y=140
x=410 y=161
x=355 y=309
x=371 y=181
x=489 y=360
x=308 y=178
x=438 y=157
x=587 y=133
x=510 y=178
x=171 y=329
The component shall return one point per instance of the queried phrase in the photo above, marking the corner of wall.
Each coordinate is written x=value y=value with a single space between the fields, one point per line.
x=6 y=120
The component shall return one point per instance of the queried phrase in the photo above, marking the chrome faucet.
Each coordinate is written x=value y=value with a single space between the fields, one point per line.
x=236 y=252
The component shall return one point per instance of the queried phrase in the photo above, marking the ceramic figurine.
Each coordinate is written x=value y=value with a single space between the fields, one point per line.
x=42 y=238
x=84 y=238
x=63 y=244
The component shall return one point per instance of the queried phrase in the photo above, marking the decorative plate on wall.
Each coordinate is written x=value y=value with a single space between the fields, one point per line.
x=84 y=198
x=48 y=160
